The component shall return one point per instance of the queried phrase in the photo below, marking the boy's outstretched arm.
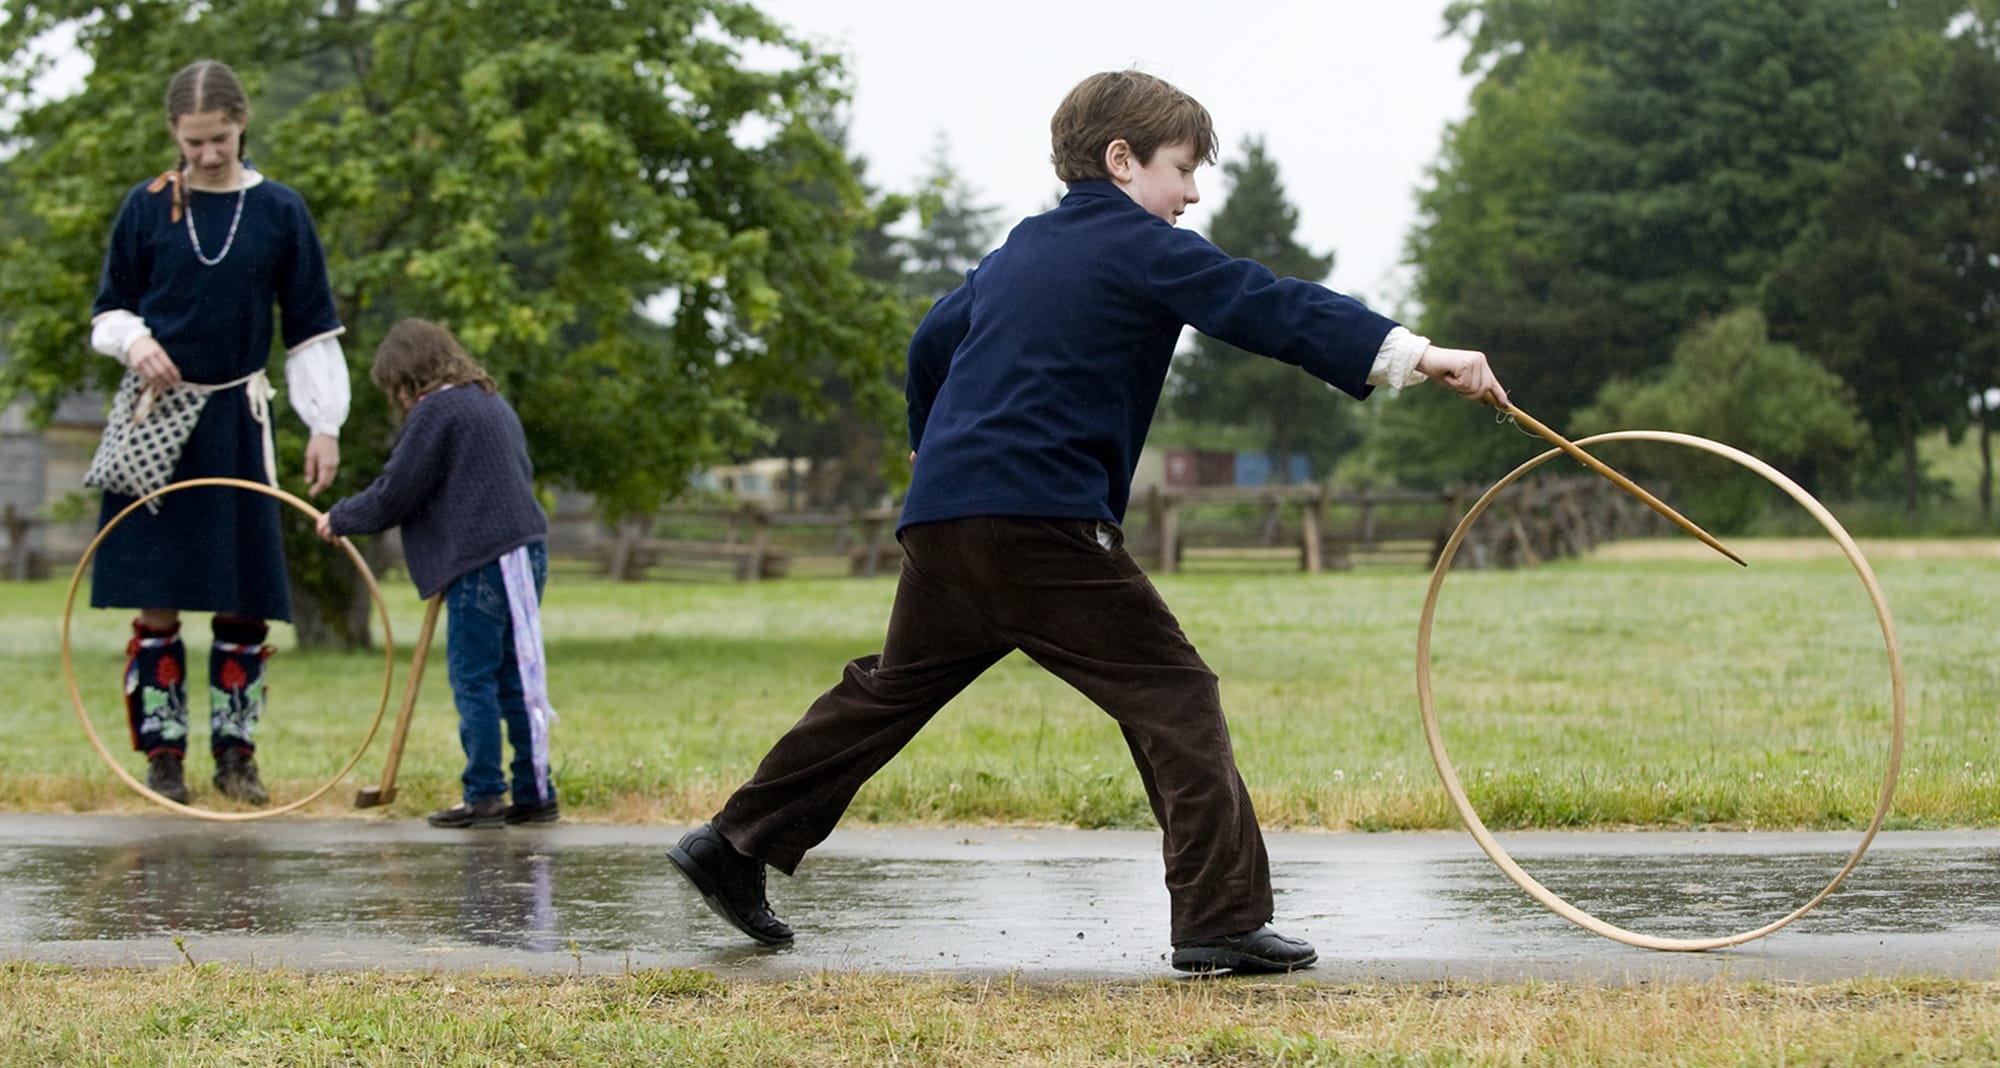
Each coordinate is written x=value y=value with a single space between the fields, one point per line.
x=1465 y=372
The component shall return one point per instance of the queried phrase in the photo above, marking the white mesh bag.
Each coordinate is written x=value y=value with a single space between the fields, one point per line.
x=137 y=457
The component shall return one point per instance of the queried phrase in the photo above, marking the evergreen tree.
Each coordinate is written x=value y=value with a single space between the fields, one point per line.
x=1220 y=384
x=956 y=232
x=1895 y=284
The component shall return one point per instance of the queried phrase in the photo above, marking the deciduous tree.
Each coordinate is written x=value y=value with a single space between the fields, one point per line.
x=603 y=201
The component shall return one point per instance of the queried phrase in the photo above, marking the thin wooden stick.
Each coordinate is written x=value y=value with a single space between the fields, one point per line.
x=385 y=792
x=1621 y=481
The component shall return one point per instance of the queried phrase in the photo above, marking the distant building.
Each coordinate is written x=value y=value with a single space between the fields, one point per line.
x=774 y=482
x=1189 y=468
x=39 y=467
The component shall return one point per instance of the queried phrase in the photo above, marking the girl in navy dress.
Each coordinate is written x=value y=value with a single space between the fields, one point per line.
x=199 y=259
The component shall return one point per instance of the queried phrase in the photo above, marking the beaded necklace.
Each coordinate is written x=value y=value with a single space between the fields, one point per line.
x=195 y=239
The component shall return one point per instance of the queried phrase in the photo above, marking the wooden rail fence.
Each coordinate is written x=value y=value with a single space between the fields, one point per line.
x=1328 y=529
x=751 y=545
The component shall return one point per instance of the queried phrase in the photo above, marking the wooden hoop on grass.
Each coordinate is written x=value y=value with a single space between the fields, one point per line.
x=76 y=696
x=1449 y=775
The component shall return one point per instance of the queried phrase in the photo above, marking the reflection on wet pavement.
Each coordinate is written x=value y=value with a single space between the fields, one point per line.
x=363 y=894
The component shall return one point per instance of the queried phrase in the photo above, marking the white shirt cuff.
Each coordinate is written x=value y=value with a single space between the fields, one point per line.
x=114 y=332
x=316 y=378
x=1396 y=362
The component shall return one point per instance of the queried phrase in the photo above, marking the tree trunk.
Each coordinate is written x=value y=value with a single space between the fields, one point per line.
x=340 y=617
x=1985 y=462
x=1912 y=487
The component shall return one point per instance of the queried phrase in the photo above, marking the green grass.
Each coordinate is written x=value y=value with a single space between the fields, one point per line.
x=206 y=1015
x=1668 y=692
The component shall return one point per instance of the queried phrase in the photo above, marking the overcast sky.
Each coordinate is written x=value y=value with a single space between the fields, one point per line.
x=1350 y=96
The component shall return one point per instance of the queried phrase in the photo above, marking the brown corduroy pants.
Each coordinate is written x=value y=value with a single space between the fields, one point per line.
x=973 y=590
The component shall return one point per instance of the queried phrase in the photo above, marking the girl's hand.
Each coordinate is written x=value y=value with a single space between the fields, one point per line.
x=325 y=528
x=151 y=361
x=322 y=462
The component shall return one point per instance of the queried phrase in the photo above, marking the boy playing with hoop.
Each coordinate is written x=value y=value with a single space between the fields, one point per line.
x=1031 y=388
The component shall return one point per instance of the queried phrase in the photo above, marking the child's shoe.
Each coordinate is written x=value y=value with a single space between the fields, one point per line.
x=485 y=812
x=538 y=812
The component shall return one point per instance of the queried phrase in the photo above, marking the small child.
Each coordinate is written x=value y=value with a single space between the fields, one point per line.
x=1031 y=388
x=460 y=484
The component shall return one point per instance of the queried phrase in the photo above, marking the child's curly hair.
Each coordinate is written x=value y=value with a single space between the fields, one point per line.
x=419 y=356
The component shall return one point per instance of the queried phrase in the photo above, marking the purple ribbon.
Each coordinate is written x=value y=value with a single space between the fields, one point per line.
x=525 y=610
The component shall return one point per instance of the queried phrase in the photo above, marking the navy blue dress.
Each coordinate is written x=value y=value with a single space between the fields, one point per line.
x=211 y=549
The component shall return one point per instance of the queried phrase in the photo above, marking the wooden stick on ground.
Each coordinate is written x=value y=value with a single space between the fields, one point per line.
x=370 y=796
x=1620 y=481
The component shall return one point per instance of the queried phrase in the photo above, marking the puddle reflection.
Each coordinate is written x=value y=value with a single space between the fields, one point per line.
x=1700 y=896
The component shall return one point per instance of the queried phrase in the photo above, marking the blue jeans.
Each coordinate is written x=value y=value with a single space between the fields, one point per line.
x=486 y=680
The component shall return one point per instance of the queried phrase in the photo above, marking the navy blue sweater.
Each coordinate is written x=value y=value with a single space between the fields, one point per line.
x=459 y=483
x=1031 y=386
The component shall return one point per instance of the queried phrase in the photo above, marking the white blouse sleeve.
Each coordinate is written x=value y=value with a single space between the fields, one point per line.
x=316 y=377
x=1396 y=362
x=114 y=332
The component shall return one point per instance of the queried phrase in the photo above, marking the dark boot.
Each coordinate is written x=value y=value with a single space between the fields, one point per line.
x=534 y=812
x=236 y=687
x=236 y=777
x=1260 y=951
x=156 y=705
x=730 y=883
x=469 y=815
x=164 y=776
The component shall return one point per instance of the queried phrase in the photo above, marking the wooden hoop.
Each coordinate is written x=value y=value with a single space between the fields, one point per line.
x=1457 y=791
x=76 y=696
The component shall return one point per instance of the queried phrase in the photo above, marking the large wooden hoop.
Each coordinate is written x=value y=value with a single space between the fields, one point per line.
x=1457 y=791
x=76 y=696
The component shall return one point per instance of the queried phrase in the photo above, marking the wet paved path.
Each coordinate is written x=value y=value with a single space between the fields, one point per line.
x=398 y=895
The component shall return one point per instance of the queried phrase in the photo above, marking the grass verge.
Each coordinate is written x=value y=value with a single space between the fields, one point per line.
x=215 y=1015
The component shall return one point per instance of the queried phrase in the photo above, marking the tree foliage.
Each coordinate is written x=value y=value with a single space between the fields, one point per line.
x=839 y=429
x=1631 y=170
x=1895 y=283
x=606 y=202
x=955 y=233
x=1729 y=381
x=1628 y=170
x=1221 y=384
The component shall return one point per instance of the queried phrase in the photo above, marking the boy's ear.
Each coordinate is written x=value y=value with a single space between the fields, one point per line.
x=1119 y=160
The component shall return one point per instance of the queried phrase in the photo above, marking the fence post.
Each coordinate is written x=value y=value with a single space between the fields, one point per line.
x=760 y=541
x=878 y=529
x=19 y=557
x=1313 y=505
x=1167 y=511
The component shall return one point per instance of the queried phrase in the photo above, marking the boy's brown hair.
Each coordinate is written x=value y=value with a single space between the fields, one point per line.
x=419 y=356
x=1145 y=112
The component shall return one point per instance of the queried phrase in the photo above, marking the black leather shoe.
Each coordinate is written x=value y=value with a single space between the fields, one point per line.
x=236 y=776
x=1261 y=950
x=731 y=883
x=545 y=812
x=164 y=776
x=485 y=812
